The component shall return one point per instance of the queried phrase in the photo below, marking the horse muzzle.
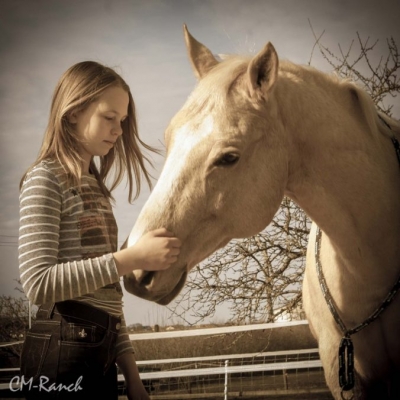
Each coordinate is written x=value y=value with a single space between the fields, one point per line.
x=158 y=286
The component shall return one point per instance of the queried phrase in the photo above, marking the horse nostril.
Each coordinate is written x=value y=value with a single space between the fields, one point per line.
x=146 y=278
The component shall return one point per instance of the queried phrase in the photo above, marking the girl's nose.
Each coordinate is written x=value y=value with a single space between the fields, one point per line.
x=117 y=130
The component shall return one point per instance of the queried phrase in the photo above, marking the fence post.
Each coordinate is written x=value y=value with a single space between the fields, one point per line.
x=226 y=380
x=285 y=379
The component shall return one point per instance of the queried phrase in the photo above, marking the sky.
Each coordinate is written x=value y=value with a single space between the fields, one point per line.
x=143 y=41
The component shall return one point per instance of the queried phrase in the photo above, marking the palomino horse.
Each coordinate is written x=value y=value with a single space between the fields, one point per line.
x=254 y=130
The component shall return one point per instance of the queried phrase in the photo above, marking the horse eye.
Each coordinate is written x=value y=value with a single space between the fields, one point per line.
x=227 y=160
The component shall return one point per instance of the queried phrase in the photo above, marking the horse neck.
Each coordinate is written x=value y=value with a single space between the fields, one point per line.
x=345 y=175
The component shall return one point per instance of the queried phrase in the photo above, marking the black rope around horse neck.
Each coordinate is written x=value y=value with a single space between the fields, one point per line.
x=346 y=349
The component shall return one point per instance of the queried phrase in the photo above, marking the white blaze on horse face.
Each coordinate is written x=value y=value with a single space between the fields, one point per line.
x=184 y=140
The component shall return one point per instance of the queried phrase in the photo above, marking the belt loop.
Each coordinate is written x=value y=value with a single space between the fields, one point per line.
x=50 y=311
x=46 y=313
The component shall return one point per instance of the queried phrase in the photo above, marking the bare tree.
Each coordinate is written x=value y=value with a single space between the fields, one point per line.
x=378 y=75
x=260 y=278
x=14 y=316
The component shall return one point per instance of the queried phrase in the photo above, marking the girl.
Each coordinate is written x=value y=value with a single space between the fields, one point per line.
x=69 y=263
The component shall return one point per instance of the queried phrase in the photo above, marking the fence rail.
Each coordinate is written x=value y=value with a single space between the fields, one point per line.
x=230 y=356
x=214 y=331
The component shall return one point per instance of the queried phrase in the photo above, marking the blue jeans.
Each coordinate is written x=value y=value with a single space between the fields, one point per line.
x=69 y=353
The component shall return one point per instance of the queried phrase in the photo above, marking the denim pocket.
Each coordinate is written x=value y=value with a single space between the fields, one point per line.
x=80 y=333
x=33 y=354
x=77 y=333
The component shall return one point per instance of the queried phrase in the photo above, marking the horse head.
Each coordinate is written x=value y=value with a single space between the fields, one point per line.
x=226 y=165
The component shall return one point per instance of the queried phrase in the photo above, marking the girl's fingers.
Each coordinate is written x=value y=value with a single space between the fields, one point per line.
x=162 y=232
x=175 y=242
x=174 y=252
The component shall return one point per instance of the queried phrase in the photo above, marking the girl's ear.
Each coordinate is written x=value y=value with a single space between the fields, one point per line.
x=72 y=118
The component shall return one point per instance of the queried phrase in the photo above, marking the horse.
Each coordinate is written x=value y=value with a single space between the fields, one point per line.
x=256 y=129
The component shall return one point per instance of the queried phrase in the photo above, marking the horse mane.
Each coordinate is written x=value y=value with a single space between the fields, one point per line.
x=367 y=107
x=371 y=113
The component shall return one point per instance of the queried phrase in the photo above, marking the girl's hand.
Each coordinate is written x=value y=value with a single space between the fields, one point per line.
x=154 y=251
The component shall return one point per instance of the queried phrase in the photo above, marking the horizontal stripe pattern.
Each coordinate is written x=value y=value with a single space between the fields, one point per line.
x=66 y=239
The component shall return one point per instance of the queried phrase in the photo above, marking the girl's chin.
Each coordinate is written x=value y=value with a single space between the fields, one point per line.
x=103 y=152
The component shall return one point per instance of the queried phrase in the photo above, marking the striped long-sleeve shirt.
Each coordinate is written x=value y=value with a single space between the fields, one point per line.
x=66 y=240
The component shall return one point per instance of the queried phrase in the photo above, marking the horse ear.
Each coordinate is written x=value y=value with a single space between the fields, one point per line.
x=200 y=56
x=262 y=71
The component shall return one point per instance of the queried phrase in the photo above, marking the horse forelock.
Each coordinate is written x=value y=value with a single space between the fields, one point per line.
x=213 y=90
x=210 y=96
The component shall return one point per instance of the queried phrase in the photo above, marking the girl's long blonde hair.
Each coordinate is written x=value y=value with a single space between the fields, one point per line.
x=79 y=86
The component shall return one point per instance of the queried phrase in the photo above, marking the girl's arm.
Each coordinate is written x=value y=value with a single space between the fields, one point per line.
x=124 y=344
x=43 y=277
x=134 y=386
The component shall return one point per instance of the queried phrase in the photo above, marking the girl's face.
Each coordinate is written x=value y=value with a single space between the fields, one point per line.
x=99 y=125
